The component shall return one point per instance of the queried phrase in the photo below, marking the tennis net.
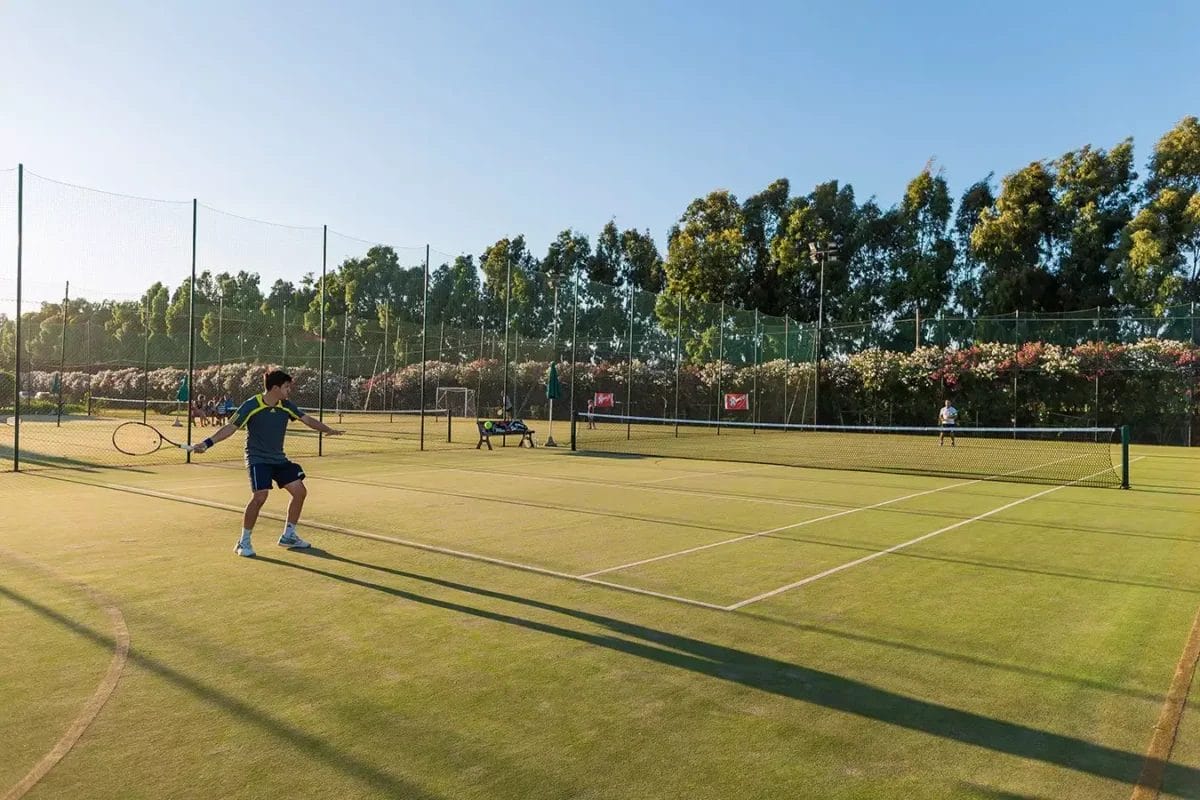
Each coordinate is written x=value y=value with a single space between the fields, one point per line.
x=394 y=423
x=1082 y=456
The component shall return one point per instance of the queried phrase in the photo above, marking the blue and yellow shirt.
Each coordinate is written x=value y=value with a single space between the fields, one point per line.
x=265 y=427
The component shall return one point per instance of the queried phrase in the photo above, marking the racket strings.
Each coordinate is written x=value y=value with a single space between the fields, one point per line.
x=136 y=439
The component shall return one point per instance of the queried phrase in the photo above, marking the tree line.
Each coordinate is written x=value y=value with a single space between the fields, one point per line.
x=1081 y=230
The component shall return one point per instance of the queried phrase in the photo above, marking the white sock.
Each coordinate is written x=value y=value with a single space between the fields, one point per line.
x=289 y=529
x=246 y=532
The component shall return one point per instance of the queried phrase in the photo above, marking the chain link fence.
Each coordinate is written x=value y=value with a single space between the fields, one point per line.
x=404 y=347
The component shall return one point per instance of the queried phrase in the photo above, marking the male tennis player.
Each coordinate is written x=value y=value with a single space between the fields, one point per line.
x=947 y=419
x=265 y=418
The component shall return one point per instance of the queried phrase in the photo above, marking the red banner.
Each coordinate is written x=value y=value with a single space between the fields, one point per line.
x=603 y=400
x=737 y=402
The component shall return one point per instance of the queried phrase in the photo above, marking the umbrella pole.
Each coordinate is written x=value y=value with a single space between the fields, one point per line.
x=550 y=438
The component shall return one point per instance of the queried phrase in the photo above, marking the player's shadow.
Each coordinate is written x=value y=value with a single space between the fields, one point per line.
x=311 y=744
x=766 y=674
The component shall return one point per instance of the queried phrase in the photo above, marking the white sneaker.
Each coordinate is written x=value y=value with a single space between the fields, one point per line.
x=293 y=542
x=244 y=548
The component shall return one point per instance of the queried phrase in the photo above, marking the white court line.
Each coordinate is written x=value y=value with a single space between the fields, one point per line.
x=402 y=542
x=703 y=474
x=827 y=517
x=910 y=542
x=774 y=530
x=617 y=485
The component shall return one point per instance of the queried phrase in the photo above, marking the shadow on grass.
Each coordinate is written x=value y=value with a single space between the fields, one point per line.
x=988 y=793
x=776 y=677
x=38 y=460
x=312 y=746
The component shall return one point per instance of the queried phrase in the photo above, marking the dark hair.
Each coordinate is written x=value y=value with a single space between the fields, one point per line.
x=275 y=377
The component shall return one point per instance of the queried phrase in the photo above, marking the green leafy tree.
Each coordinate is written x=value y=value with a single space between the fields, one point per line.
x=706 y=254
x=1095 y=198
x=1014 y=242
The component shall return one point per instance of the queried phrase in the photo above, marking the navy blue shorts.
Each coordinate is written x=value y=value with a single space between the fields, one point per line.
x=261 y=475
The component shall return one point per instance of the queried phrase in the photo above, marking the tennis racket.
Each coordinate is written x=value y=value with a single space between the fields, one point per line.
x=140 y=439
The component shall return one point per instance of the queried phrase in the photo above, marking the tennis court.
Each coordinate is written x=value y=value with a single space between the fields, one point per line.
x=600 y=624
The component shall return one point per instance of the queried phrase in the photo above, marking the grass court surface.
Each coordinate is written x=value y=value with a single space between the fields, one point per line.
x=543 y=624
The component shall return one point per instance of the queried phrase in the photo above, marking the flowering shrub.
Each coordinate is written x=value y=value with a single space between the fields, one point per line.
x=990 y=382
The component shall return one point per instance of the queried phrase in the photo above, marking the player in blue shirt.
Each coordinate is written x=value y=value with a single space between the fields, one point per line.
x=265 y=418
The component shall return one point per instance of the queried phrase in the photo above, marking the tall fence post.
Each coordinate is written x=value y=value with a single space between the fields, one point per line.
x=191 y=384
x=321 y=352
x=720 y=361
x=678 y=354
x=424 y=332
x=17 y=376
x=785 y=417
x=574 y=343
x=62 y=354
x=629 y=371
x=507 y=296
x=754 y=390
x=146 y=361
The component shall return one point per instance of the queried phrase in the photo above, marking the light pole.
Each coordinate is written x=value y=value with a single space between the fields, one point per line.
x=820 y=253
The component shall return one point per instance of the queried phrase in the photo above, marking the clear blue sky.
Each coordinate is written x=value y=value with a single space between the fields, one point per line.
x=455 y=123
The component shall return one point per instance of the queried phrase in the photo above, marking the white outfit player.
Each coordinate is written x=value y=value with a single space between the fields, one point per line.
x=947 y=420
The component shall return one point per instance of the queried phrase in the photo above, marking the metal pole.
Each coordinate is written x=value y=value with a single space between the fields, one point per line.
x=720 y=362
x=787 y=369
x=554 y=356
x=1017 y=344
x=574 y=341
x=507 y=297
x=424 y=329
x=62 y=354
x=321 y=355
x=754 y=390
x=220 y=325
x=388 y=360
x=17 y=377
x=146 y=362
x=678 y=353
x=629 y=371
x=283 y=340
x=817 y=353
x=191 y=386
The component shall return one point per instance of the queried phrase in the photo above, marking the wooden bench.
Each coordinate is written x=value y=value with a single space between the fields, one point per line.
x=503 y=429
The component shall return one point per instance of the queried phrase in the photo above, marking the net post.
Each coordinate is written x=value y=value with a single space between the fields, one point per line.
x=450 y=422
x=574 y=419
x=1124 y=456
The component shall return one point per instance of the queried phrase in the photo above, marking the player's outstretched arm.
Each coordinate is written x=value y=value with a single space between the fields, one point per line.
x=223 y=433
x=317 y=425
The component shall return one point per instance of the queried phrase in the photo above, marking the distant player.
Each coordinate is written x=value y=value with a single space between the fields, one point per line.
x=265 y=418
x=947 y=420
x=591 y=414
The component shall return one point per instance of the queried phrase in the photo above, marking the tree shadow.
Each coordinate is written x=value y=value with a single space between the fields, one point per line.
x=312 y=746
x=776 y=677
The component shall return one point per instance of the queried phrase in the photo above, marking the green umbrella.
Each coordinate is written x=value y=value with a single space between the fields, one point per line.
x=183 y=390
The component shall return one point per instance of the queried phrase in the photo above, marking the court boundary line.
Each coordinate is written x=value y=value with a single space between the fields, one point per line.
x=792 y=526
x=431 y=548
x=902 y=545
x=833 y=516
x=1162 y=742
x=646 y=487
x=99 y=698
